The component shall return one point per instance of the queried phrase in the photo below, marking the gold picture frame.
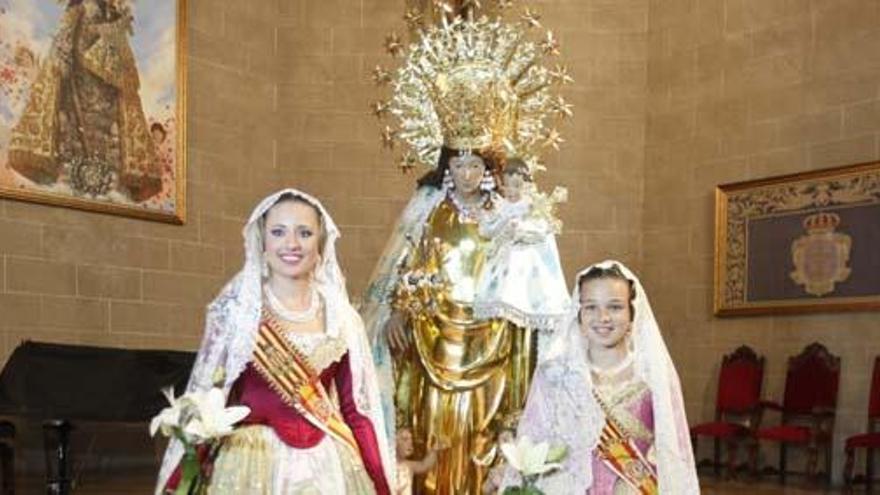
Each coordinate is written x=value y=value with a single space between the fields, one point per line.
x=799 y=243
x=93 y=106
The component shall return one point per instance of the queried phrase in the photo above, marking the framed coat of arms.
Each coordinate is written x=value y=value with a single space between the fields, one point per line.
x=92 y=105
x=799 y=243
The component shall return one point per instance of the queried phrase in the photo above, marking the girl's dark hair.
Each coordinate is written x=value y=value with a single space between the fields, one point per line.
x=612 y=272
x=493 y=160
x=517 y=166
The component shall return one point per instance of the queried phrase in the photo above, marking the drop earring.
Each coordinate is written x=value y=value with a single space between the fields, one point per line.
x=448 y=183
x=487 y=183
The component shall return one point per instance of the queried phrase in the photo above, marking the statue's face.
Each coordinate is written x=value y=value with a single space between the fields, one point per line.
x=92 y=9
x=467 y=172
x=605 y=312
x=291 y=239
x=513 y=186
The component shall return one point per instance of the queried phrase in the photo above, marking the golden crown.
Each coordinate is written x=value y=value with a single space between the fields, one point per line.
x=475 y=106
x=470 y=84
x=821 y=222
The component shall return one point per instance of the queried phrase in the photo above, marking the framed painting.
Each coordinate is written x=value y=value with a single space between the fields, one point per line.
x=92 y=105
x=799 y=243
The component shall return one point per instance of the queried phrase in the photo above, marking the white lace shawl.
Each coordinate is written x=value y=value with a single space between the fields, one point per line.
x=233 y=318
x=561 y=409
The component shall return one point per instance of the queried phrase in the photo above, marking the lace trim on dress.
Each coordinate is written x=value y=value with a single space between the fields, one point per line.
x=321 y=350
x=540 y=322
x=616 y=397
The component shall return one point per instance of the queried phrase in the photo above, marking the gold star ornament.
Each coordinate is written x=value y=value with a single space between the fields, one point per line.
x=562 y=108
x=388 y=136
x=380 y=109
x=381 y=76
x=560 y=75
x=407 y=162
x=441 y=6
x=393 y=45
x=413 y=18
x=553 y=138
x=550 y=45
x=531 y=18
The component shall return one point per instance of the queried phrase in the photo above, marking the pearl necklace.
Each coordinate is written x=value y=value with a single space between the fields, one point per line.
x=614 y=370
x=471 y=212
x=305 y=316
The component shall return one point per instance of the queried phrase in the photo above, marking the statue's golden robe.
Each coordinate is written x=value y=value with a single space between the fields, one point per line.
x=463 y=373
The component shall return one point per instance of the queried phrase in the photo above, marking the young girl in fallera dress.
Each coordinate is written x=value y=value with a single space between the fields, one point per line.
x=607 y=389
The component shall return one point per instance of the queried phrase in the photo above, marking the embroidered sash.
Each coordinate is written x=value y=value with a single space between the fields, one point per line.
x=289 y=373
x=621 y=455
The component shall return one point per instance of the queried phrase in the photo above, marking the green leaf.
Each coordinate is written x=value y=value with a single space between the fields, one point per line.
x=190 y=471
x=516 y=490
x=557 y=453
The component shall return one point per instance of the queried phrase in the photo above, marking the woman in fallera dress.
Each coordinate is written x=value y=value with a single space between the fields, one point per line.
x=607 y=389
x=294 y=351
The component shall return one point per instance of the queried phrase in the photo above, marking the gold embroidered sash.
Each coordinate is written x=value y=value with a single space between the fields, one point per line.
x=620 y=453
x=289 y=373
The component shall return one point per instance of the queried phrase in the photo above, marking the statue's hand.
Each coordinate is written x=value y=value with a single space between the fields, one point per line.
x=396 y=332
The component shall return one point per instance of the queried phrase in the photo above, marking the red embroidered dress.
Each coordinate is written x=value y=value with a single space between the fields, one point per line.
x=313 y=458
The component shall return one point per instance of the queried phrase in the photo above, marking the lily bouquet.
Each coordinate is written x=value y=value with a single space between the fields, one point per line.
x=531 y=460
x=199 y=419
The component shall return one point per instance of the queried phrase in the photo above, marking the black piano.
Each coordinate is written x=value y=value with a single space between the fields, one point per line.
x=62 y=384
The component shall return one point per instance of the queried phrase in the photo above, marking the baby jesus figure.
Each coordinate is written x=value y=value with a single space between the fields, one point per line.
x=522 y=280
x=408 y=467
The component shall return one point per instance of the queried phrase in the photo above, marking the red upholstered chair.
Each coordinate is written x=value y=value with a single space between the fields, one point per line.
x=870 y=440
x=808 y=409
x=736 y=405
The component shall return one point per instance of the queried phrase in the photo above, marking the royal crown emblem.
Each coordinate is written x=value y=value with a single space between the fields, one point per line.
x=820 y=256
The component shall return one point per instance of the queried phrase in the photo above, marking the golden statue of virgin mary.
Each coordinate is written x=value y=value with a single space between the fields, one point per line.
x=470 y=93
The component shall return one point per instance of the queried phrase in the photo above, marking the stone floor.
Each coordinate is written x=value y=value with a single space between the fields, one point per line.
x=712 y=487
x=142 y=484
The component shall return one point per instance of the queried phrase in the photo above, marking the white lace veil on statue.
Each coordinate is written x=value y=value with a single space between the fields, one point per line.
x=561 y=409
x=233 y=318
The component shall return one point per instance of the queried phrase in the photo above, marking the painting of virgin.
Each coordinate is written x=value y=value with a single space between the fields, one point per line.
x=91 y=105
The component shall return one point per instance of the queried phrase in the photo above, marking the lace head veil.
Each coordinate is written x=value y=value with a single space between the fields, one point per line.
x=233 y=318
x=561 y=407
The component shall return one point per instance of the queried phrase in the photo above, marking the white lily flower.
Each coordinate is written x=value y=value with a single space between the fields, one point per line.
x=169 y=418
x=212 y=418
x=528 y=458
